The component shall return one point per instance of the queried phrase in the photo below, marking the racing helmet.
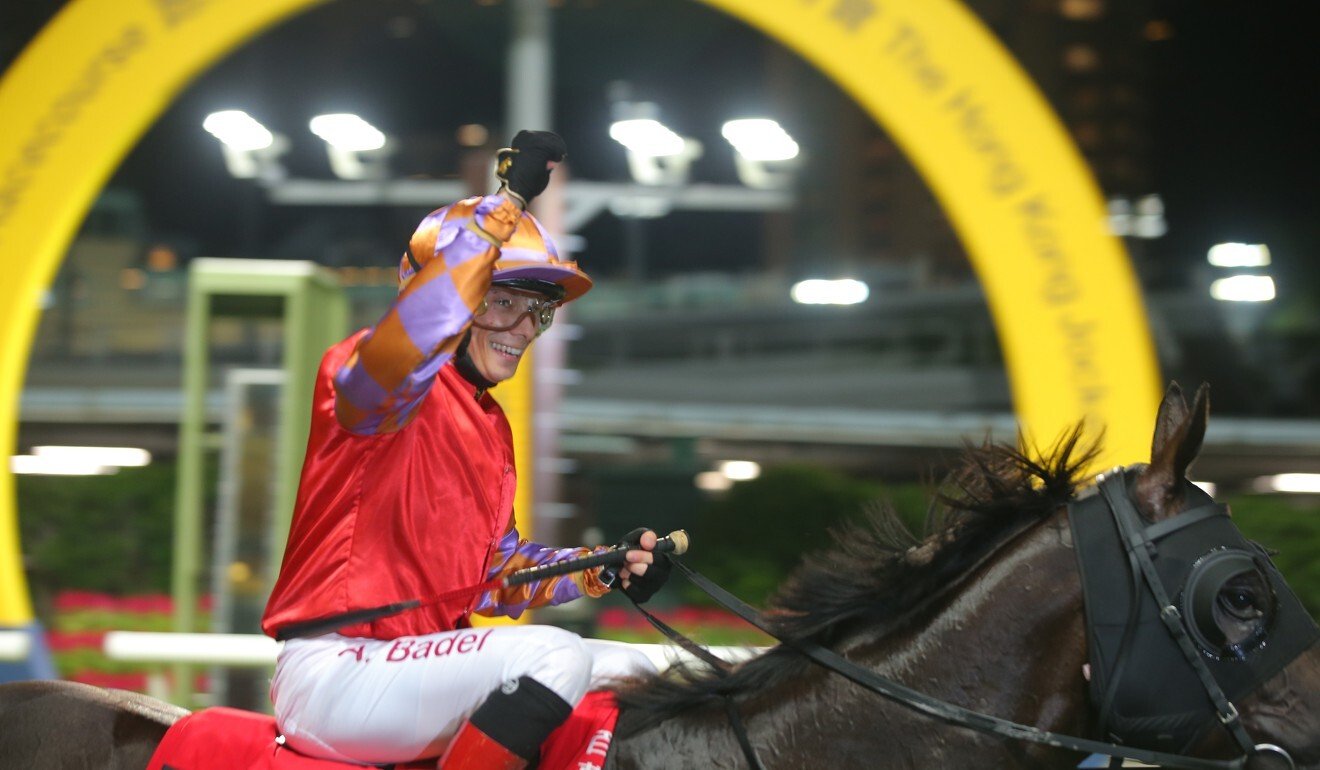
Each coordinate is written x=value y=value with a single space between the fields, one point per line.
x=529 y=260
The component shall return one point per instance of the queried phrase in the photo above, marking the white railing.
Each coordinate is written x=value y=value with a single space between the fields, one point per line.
x=15 y=645
x=207 y=649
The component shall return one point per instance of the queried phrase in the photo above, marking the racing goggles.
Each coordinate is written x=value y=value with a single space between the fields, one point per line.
x=504 y=308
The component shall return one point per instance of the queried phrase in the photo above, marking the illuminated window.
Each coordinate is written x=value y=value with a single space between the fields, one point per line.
x=1082 y=10
x=1081 y=58
x=1157 y=30
x=1087 y=134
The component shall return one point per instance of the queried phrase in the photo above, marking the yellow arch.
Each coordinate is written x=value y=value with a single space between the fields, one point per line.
x=1060 y=290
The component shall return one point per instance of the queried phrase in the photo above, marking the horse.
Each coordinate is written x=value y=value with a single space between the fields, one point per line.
x=986 y=612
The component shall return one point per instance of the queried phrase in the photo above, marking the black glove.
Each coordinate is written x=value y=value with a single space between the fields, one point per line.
x=641 y=588
x=522 y=167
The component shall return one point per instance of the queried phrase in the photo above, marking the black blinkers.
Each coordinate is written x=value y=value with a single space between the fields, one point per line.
x=1227 y=606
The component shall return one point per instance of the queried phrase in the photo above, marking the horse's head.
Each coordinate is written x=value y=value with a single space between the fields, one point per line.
x=1238 y=617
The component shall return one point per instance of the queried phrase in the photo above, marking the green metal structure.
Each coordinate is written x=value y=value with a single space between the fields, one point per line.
x=314 y=312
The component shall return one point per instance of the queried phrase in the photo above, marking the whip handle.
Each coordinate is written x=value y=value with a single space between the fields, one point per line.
x=675 y=542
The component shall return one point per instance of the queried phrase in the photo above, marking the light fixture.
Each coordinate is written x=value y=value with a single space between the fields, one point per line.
x=712 y=481
x=57 y=466
x=357 y=149
x=656 y=155
x=740 y=470
x=239 y=130
x=121 y=456
x=250 y=149
x=764 y=152
x=1238 y=255
x=1146 y=221
x=760 y=139
x=819 y=291
x=647 y=137
x=1292 y=483
x=1243 y=288
x=347 y=131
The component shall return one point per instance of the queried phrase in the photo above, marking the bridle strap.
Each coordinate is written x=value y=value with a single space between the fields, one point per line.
x=719 y=665
x=740 y=732
x=1139 y=547
x=1105 y=709
x=948 y=712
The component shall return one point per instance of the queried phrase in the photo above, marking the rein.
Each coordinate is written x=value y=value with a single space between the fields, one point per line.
x=675 y=542
x=916 y=701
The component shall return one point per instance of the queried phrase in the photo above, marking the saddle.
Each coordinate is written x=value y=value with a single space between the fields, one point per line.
x=223 y=738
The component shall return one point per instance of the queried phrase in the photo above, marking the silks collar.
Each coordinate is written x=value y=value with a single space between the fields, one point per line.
x=465 y=366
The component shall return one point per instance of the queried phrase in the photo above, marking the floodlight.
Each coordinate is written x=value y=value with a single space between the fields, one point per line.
x=760 y=139
x=656 y=155
x=712 y=481
x=1292 y=483
x=765 y=154
x=356 y=148
x=348 y=132
x=740 y=470
x=1243 y=288
x=647 y=137
x=57 y=466
x=1239 y=255
x=238 y=130
x=119 y=456
x=818 y=291
x=251 y=150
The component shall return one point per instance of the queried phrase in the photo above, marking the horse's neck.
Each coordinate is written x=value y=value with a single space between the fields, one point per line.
x=1006 y=641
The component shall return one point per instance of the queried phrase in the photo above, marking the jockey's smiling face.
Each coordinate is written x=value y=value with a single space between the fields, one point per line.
x=496 y=351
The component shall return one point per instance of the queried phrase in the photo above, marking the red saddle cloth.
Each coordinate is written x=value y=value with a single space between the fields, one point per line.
x=230 y=739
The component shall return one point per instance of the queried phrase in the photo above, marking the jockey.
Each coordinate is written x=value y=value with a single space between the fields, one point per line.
x=407 y=491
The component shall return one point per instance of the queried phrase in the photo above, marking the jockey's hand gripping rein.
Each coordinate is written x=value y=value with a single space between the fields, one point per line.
x=642 y=588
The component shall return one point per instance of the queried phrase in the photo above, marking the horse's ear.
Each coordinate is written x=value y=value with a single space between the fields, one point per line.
x=1179 y=432
x=1190 y=446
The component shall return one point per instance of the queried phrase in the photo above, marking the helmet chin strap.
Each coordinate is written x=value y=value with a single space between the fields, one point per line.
x=468 y=369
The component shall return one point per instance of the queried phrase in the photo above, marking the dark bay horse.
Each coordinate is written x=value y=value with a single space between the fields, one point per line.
x=987 y=612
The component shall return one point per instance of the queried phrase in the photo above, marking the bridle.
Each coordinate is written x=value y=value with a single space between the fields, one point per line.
x=1124 y=515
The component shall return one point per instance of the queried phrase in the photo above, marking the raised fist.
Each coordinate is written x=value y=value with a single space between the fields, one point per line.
x=525 y=167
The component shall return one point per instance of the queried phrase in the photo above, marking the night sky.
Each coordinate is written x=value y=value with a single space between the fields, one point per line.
x=1234 y=126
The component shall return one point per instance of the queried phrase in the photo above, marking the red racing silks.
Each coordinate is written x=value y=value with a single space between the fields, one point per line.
x=583 y=742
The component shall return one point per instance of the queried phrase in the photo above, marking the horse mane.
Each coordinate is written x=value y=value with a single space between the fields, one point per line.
x=876 y=572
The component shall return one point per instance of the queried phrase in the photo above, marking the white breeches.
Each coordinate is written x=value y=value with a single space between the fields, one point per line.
x=374 y=701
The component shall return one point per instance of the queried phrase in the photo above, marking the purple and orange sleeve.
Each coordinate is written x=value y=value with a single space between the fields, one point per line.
x=384 y=381
x=514 y=553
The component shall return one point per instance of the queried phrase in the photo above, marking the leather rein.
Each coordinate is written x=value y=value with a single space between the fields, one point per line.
x=917 y=701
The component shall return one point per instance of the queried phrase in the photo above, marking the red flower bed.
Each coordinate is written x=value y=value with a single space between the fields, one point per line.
x=77 y=637
x=64 y=641
x=145 y=604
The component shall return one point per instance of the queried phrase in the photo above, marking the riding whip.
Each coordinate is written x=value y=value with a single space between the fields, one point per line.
x=675 y=542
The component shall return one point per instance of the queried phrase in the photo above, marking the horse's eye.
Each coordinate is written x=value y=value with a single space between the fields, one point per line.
x=1246 y=609
x=1240 y=601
